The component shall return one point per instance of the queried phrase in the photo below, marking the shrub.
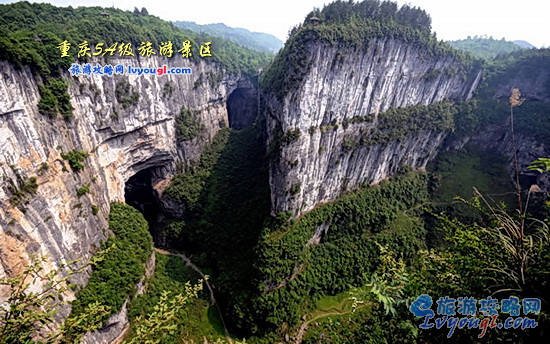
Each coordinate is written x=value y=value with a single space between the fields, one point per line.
x=75 y=159
x=295 y=189
x=27 y=187
x=83 y=190
x=291 y=135
x=43 y=167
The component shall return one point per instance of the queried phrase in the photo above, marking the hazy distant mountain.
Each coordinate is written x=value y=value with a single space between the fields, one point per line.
x=488 y=47
x=254 y=40
x=524 y=44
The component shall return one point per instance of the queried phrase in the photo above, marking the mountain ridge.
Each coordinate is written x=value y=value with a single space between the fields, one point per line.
x=254 y=40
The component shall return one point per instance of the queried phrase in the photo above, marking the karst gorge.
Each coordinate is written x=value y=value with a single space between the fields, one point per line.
x=310 y=194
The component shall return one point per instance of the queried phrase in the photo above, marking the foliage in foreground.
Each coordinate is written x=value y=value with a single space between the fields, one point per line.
x=196 y=321
x=161 y=322
x=28 y=312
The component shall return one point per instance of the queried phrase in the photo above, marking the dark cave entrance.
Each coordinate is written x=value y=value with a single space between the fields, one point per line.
x=139 y=193
x=242 y=108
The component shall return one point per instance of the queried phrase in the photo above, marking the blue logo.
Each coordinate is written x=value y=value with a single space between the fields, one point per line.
x=448 y=307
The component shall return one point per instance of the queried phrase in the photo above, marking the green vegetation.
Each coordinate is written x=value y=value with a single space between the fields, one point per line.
x=485 y=47
x=84 y=189
x=294 y=274
x=456 y=173
x=30 y=34
x=291 y=135
x=125 y=93
x=188 y=124
x=295 y=189
x=253 y=40
x=187 y=188
x=114 y=278
x=21 y=192
x=230 y=204
x=351 y=26
x=43 y=167
x=54 y=99
x=522 y=65
x=541 y=165
x=95 y=209
x=28 y=311
x=197 y=320
x=75 y=158
x=158 y=325
x=268 y=280
x=396 y=124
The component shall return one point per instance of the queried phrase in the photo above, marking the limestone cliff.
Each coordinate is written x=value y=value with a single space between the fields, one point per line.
x=321 y=117
x=121 y=139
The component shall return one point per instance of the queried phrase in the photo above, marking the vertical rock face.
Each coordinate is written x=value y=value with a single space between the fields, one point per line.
x=318 y=119
x=122 y=137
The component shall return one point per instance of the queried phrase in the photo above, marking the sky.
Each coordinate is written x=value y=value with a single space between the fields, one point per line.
x=527 y=20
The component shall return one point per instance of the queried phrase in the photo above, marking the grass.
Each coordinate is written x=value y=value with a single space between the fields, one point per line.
x=326 y=309
x=340 y=303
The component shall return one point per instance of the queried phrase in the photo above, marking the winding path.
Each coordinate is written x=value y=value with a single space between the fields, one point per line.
x=212 y=298
x=305 y=321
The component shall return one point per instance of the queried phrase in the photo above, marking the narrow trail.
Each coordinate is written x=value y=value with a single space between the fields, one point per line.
x=212 y=298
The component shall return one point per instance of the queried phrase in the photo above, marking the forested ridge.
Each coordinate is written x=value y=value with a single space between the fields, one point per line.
x=30 y=34
x=353 y=25
x=253 y=40
x=486 y=47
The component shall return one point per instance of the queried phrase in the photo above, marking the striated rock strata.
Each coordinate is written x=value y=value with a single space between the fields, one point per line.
x=341 y=85
x=121 y=137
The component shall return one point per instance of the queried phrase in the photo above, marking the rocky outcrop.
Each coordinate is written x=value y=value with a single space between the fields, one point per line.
x=319 y=118
x=122 y=138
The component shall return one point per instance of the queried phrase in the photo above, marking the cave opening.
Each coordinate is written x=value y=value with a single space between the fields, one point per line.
x=242 y=108
x=140 y=194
